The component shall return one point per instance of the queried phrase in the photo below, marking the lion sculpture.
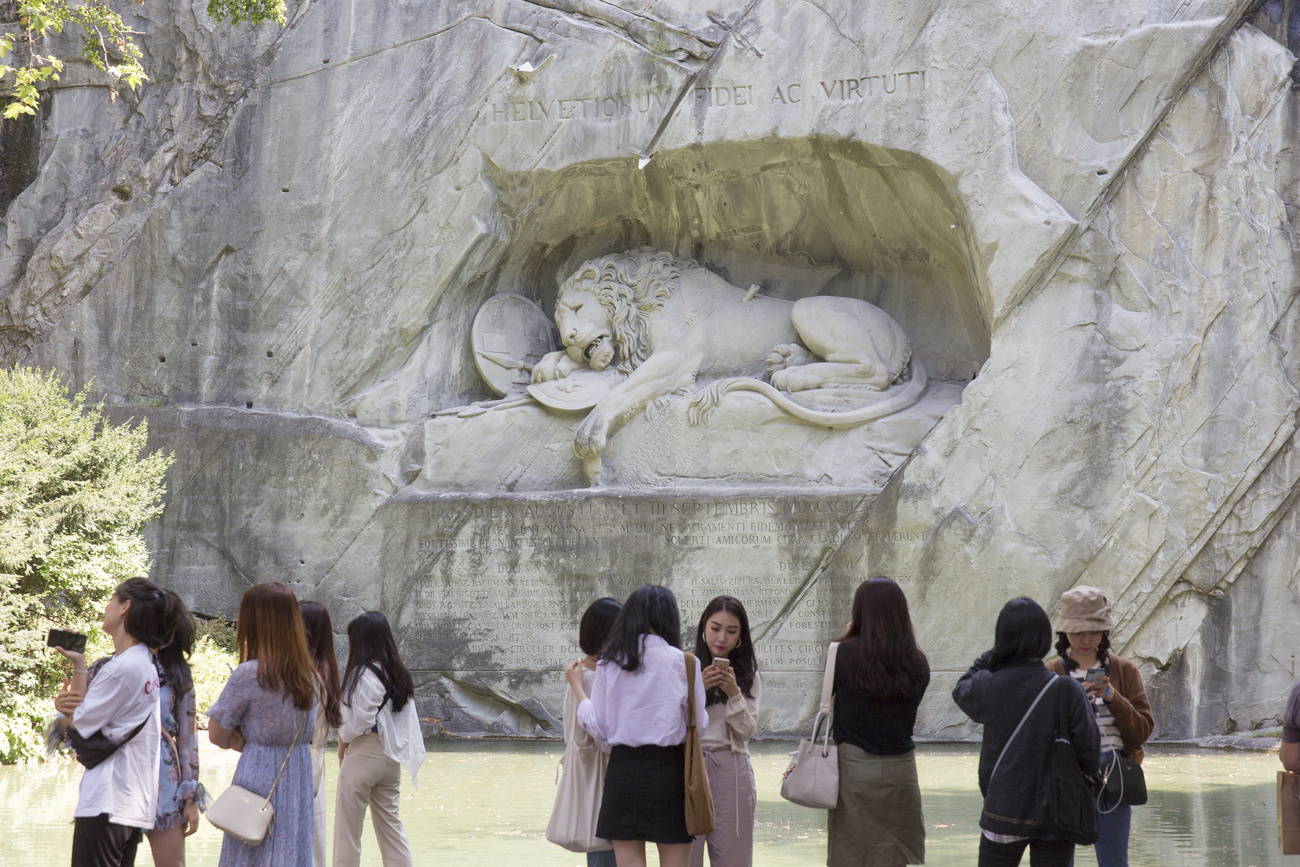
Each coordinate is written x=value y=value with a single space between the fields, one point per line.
x=668 y=322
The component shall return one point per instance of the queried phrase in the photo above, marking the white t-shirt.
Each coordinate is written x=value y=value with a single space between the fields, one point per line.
x=125 y=786
x=399 y=734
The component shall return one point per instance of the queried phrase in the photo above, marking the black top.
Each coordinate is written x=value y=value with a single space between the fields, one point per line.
x=882 y=727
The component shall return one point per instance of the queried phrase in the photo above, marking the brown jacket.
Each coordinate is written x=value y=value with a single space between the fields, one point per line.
x=1128 y=704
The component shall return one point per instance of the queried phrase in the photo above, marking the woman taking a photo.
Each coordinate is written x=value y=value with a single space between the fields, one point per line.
x=996 y=692
x=379 y=734
x=638 y=706
x=119 y=796
x=726 y=654
x=266 y=712
x=1118 y=699
x=180 y=794
x=320 y=644
x=880 y=677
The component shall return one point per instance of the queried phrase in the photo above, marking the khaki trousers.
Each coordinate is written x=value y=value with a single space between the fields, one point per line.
x=368 y=778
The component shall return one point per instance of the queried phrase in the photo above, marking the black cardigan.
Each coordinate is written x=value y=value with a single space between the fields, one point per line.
x=998 y=700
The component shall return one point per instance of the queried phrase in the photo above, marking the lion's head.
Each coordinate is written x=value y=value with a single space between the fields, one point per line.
x=625 y=289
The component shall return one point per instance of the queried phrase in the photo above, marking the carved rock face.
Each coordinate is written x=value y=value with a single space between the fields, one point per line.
x=1091 y=206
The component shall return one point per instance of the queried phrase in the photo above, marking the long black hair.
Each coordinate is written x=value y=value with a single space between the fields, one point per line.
x=173 y=657
x=743 y=661
x=649 y=609
x=320 y=644
x=1023 y=633
x=1063 y=648
x=371 y=645
x=882 y=658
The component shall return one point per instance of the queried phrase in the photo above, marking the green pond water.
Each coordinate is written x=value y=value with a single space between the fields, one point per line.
x=487 y=803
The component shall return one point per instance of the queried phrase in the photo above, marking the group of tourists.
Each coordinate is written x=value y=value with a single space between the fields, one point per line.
x=628 y=713
x=634 y=701
x=130 y=718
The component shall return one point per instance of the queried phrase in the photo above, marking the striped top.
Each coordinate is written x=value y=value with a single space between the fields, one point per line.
x=1110 y=739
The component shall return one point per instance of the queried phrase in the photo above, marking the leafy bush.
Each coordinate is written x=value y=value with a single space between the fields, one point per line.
x=75 y=493
x=213 y=660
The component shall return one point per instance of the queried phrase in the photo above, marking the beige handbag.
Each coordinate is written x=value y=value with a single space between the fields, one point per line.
x=699 y=798
x=813 y=778
x=244 y=815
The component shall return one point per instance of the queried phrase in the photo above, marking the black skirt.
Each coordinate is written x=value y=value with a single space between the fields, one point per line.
x=645 y=795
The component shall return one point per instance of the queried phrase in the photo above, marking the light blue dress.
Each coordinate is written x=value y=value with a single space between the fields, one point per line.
x=268 y=721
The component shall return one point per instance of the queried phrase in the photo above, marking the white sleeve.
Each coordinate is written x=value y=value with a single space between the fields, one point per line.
x=361 y=710
x=105 y=700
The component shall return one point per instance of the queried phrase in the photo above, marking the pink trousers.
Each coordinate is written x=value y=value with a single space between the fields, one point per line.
x=731 y=843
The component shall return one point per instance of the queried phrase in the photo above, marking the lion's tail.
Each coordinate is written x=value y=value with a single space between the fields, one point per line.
x=704 y=403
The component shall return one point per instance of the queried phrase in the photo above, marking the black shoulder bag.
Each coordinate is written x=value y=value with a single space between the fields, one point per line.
x=1066 y=806
x=97 y=748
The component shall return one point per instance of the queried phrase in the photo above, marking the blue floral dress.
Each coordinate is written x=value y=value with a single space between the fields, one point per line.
x=268 y=721
x=178 y=770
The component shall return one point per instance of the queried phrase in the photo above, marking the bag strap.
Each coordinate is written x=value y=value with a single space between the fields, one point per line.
x=285 y=763
x=1021 y=725
x=690 y=690
x=828 y=679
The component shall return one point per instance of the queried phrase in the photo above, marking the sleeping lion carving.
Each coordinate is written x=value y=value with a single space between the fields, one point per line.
x=666 y=323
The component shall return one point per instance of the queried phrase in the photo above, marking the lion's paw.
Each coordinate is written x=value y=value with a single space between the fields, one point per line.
x=796 y=379
x=787 y=355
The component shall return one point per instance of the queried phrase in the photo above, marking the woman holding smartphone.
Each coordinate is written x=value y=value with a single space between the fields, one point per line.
x=118 y=799
x=999 y=692
x=1118 y=700
x=638 y=706
x=732 y=686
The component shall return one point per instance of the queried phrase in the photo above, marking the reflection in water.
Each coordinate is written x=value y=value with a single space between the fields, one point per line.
x=486 y=802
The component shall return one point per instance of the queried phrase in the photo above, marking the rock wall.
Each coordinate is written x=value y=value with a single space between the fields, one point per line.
x=1083 y=215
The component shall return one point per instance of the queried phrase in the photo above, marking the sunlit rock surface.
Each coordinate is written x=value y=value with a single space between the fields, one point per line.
x=1082 y=215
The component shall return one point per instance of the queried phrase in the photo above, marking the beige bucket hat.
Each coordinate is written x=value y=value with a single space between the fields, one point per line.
x=1084 y=609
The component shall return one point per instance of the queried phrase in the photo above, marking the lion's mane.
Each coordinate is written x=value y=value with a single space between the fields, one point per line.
x=630 y=286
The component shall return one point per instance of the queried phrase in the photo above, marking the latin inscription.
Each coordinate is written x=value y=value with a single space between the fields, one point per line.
x=726 y=97
x=502 y=583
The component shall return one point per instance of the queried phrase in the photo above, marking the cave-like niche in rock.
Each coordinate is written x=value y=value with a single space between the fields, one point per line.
x=795 y=219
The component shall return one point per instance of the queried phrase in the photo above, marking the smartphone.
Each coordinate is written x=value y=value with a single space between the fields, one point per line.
x=1094 y=675
x=719 y=662
x=73 y=641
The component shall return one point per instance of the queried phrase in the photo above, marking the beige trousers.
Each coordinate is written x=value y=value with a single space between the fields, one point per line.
x=368 y=778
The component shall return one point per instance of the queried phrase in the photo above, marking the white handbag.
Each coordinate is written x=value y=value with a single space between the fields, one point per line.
x=813 y=778
x=245 y=815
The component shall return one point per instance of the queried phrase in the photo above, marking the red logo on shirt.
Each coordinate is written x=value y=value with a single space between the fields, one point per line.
x=150 y=686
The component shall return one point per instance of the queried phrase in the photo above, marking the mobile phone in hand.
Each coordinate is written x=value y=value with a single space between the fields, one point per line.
x=1094 y=675
x=74 y=641
x=719 y=662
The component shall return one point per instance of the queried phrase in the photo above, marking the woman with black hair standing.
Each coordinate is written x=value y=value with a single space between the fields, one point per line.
x=1118 y=699
x=118 y=798
x=726 y=654
x=880 y=677
x=638 y=706
x=379 y=734
x=180 y=794
x=319 y=632
x=585 y=759
x=999 y=692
